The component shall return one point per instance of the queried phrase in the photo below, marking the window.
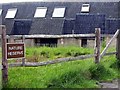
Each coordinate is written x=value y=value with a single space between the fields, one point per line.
x=51 y=42
x=40 y=12
x=0 y=11
x=85 y=8
x=83 y=42
x=58 y=12
x=11 y=13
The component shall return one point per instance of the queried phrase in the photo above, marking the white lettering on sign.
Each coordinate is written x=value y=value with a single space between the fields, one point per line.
x=15 y=48
x=15 y=53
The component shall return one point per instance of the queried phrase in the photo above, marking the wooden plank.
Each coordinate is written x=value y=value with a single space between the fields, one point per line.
x=107 y=46
x=27 y=64
x=4 y=57
x=118 y=45
x=97 y=45
x=111 y=53
x=23 y=59
x=54 y=61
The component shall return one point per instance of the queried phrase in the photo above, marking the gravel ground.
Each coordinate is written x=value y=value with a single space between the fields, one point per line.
x=113 y=84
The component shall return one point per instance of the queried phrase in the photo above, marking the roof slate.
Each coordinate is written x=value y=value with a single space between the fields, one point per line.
x=53 y=26
x=47 y=26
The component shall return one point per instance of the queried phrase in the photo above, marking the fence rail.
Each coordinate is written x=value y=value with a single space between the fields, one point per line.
x=82 y=57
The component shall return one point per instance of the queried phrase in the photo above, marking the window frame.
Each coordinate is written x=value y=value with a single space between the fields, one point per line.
x=85 y=9
x=11 y=10
x=55 y=11
x=37 y=13
x=1 y=12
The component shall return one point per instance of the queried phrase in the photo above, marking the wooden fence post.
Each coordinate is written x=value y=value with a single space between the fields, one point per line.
x=4 y=57
x=23 y=59
x=97 y=45
x=118 y=45
x=107 y=46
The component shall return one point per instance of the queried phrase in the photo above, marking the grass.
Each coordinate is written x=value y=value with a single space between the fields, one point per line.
x=76 y=74
x=0 y=79
x=37 y=54
x=0 y=68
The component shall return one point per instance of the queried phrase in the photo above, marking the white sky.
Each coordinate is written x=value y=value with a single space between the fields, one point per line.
x=8 y=1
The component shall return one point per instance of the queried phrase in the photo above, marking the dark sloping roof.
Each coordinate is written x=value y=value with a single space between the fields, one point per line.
x=9 y=25
x=21 y=27
x=68 y=27
x=27 y=10
x=0 y=20
x=47 y=26
x=112 y=25
x=86 y=23
x=119 y=10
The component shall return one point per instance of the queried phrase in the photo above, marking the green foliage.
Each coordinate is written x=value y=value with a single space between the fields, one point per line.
x=115 y=64
x=70 y=79
x=98 y=71
x=48 y=53
x=103 y=43
x=75 y=74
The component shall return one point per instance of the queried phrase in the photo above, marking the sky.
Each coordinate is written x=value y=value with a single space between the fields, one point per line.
x=9 y=1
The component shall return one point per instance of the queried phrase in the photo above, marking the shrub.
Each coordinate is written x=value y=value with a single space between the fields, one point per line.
x=98 y=71
x=115 y=64
x=70 y=79
x=103 y=43
x=45 y=54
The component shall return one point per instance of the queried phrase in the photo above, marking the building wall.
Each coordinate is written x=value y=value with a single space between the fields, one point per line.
x=69 y=42
x=66 y=41
x=90 y=43
x=113 y=44
x=29 y=42
x=73 y=42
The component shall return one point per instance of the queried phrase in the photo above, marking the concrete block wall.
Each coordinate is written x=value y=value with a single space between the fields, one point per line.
x=90 y=43
x=113 y=44
x=66 y=41
x=29 y=42
x=69 y=42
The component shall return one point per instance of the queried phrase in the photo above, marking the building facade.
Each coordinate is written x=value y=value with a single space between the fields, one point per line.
x=60 y=22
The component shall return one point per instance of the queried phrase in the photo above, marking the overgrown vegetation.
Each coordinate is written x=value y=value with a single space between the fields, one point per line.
x=0 y=68
x=75 y=74
x=37 y=54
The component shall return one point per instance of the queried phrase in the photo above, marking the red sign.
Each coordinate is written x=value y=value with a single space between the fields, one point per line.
x=15 y=50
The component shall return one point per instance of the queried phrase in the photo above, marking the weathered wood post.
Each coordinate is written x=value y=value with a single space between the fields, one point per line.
x=23 y=59
x=12 y=39
x=4 y=56
x=97 y=45
x=118 y=45
x=107 y=46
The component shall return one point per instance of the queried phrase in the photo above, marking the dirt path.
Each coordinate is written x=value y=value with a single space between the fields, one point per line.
x=113 y=84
